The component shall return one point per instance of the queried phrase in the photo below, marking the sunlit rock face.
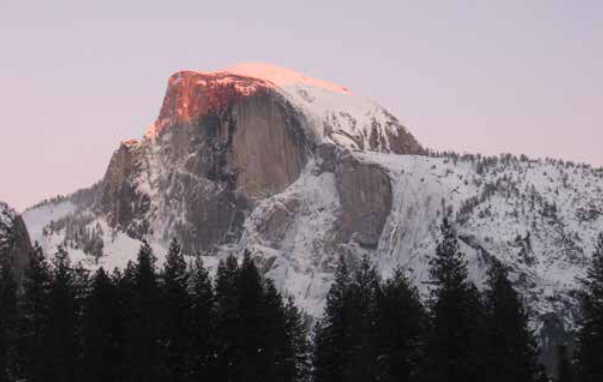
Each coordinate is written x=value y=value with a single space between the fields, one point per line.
x=214 y=168
x=331 y=113
x=192 y=95
x=14 y=239
x=225 y=140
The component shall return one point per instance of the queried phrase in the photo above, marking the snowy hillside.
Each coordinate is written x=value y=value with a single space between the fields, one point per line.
x=300 y=172
x=539 y=217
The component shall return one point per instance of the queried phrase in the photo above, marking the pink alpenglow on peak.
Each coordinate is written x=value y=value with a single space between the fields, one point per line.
x=130 y=142
x=328 y=113
x=193 y=94
x=282 y=77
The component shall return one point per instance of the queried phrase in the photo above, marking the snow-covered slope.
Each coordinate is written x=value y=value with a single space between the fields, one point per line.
x=539 y=217
x=300 y=171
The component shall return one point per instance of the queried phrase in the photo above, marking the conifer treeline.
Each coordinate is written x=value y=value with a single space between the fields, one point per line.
x=177 y=324
x=145 y=324
x=381 y=331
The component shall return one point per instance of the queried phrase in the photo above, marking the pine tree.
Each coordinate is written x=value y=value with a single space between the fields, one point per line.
x=125 y=284
x=511 y=352
x=201 y=351
x=333 y=344
x=363 y=363
x=253 y=335
x=8 y=320
x=402 y=324
x=34 y=353
x=251 y=345
x=590 y=333
x=278 y=357
x=143 y=356
x=176 y=306
x=454 y=344
x=299 y=355
x=564 y=365
x=102 y=331
x=227 y=319
x=64 y=299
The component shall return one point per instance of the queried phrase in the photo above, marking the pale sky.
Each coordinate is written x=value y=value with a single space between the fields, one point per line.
x=487 y=76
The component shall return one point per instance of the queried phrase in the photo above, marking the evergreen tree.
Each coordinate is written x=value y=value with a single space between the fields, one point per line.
x=251 y=342
x=362 y=318
x=590 y=333
x=176 y=305
x=333 y=344
x=143 y=356
x=8 y=320
x=102 y=331
x=201 y=352
x=564 y=366
x=125 y=284
x=278 y=357
x=227 y=319
x=299 y=356
x=255 y=343
x=401 y=327
x=34 y=353
x=64 y=299
x=454 y=344
x=511 y=352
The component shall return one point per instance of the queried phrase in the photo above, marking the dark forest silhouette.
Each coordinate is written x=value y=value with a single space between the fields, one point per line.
x=176 y=323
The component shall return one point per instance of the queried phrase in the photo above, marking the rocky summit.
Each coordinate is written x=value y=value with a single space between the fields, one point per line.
x=14 y=239
x=300 y=171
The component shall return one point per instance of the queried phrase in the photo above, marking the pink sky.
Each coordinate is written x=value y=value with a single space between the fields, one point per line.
x=481 y=76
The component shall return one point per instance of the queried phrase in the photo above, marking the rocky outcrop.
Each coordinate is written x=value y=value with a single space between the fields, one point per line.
x=14 y=240
x=278 y=222
x=269 y=146
x=257 y=144
x=215 y=167
x=119 y=197
x=224 y=141
x=365 y=193
x=401 y=141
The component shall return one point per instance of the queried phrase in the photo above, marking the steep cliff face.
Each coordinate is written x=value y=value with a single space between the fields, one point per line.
x=14 y=239
x=119 y=200
x=366 y=195
x=225 y=140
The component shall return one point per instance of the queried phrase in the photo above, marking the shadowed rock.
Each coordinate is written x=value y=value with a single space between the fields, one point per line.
x=14 y=240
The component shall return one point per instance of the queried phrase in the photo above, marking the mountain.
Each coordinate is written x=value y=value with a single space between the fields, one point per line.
x=14 y=238
x=300 y=171
x=223 y=142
